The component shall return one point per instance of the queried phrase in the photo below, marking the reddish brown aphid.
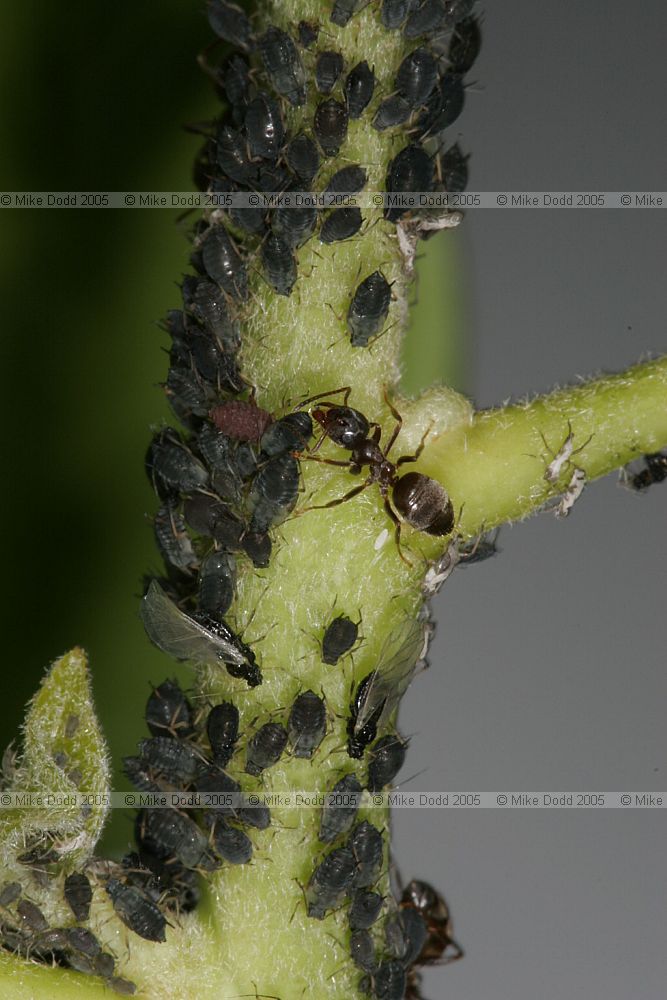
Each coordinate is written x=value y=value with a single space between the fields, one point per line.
x=241 y=420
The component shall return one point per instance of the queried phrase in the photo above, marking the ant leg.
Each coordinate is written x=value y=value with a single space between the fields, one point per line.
x=397 y=428
x=413 y=458
x=326 y=461
x=335 y=503
x=397 y=530
x=459 y=953
x=345 y=389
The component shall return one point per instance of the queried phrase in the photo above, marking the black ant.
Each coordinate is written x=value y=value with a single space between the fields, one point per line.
x=420 y=500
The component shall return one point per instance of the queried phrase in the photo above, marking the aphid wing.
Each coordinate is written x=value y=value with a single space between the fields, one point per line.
x=398 y=658
x=178 y=635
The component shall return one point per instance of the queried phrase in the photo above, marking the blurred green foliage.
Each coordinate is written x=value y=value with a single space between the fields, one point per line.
x=93 y=97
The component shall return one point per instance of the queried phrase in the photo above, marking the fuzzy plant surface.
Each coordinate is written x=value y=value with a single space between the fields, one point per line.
x=264 y=550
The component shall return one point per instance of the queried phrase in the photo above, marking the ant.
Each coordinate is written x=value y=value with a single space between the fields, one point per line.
x=420 y=500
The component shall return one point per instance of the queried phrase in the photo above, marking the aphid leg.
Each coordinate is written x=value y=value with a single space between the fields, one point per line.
x=413 y=458
x=339 y=500
x=397 y=531
x=327 y=461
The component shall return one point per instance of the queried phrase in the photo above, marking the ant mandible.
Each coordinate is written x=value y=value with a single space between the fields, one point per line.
x=420 y=500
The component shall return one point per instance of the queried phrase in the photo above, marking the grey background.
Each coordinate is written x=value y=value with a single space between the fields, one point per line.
x=548 y=667
x=548 y=663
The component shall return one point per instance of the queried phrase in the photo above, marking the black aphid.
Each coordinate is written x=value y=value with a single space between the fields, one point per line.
x=171 y=467
x=232 y=155
x=207 y=515
x=232 y=844
x=391 y=113
x=394 y=12
x=265 y=748
x=84 y=941
x=230 y=23
x=212 y=364
x=235 y=79
x=283 y=64
x=249 y=218
x=124 y=987
x=217 y=583
x=457 y=10
x=330 y=125
x=31 y=916
x=339 y=638
x=340 y=808
x=137 y=911
x=264 y=127
x=205 y=301
x=465 y=45
x=254 y=814
x=223 y=263
x=329 y=882
x=302 y=157
x=279 y=264
x=289 y=434
x=341 y=224
x=173 y=540
x=362 y=950
x=348 y=180
x=426 y=19
x=386 y=760
x=225 y=789
x=389 y=981
x=10 y=892
x=170 y=834
x=168 y=711
x=294 y=223
x=410 y=170
x=655 y=471
x=257 y=546
x=364 y=909
x=308 y=32
x=359 y=87
x=307 y=723
x=328 y=68
x=394 y=935
x=367 y=850
x=415 y=934
x=188 y=396
x=79 y=894
x=416 y=76
x=222 y=729
x=368 y=309
x=343 y=10
x=170 y=759
x=274 y=492
x=453 y=169
x=218 y=452
x=443 y=107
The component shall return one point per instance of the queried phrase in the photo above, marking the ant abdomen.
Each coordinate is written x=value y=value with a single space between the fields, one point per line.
x=423 y=503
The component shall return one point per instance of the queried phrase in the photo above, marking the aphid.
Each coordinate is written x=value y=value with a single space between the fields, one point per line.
x=71 y=726
x=386 y=760
x=10 y=892
x=212 y=364
x=274 y=492
x=295 y=223
x=139 y=773
x=343 y=10
x=279 y=264
x=232 y=157
x=172 y=759
x=367 y=848
x=236 y=85
x=136 y=910
x=410 y=170
x=254 y=814
x=188 y=396
x=349 y=180
x=359 y=87
x=272 y=177
x=340 y=808
x=433 y=909
x=104 y=964
x=368 y=309
x=200 y=639
x=330 y=125
x=341 y=224
x=394 y=936
x=84 y=941
x=391 y=113
x=655 y=471
x=78 y=894
x=31 y=916
x=232 y=844
x=339 y=637
x=208 y=516
x=307 y=723
x=171 y=834
x=265 y=748
x=264 y=127
x=168 y=711
x=444 y=105
x=283 y=64
x=389 y=981
x=241 y=419
x=257 y=546
x=417 y=76
x=308 y=32
x=223 y=263
x=328 y=68
x=230 y=23
x=425 y=20
x=250 y=218
x=302 y=157
x=218 y=452
x=453 y=169
x=415 y=934
x=171 y=467
x=289 y=434
x=217 y=583
x=465 y=45
x=329 y=882
x=225 y=790
x=575 y=488
x=222 y=729
x=364 y=909
x=456 y=10
x=362 y=951
x=124 y=987
x=40 y=849
x=394 y=12
x=173 y=540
